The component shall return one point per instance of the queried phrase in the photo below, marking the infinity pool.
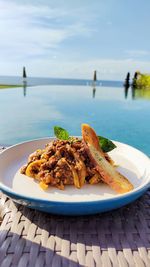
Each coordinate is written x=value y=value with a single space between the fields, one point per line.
x=113 y=112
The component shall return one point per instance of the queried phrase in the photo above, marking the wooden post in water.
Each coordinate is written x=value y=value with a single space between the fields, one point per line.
x=94 y=83
x=95 y=76
x=134 y=84
x=127 y=84
x=127 y=79
x=24 y=81
x=24 y=73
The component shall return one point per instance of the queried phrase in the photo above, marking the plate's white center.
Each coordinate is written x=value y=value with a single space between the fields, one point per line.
x=30 y=187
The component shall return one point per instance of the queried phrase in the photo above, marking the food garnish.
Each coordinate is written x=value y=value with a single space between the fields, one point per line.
x=105 y=144
x=61 y=133
x=76 y=161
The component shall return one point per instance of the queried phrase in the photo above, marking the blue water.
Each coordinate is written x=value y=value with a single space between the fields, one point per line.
x=32 y=113
x=33 y=81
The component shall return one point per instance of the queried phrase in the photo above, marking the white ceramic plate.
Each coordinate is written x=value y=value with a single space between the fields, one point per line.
x=71 y=201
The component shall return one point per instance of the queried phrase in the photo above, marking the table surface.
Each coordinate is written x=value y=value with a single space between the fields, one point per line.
x=119 y=238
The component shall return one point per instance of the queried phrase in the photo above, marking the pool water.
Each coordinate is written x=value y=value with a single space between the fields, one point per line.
x=32 y=113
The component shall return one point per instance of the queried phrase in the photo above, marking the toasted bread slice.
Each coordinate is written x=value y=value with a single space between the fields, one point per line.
x=108 y=173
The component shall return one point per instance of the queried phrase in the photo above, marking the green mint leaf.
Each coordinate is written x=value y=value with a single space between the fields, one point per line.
x=61 y=133
x=106 y=144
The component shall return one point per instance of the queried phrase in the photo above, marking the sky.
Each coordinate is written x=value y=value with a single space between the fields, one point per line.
x=71 y=39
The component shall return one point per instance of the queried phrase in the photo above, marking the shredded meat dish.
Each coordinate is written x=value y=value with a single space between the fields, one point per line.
x=76 y=162
x=62 y=163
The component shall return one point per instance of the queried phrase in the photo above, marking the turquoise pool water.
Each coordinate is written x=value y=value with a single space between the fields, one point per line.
x=32 y=114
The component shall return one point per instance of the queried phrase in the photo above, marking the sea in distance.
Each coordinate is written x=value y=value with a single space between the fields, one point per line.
x=33 y=81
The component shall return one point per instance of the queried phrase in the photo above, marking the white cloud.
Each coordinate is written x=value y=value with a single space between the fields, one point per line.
x=33 y=34
x=29 y=30
x=106 y=68
x=53 y=66
x=137 y=53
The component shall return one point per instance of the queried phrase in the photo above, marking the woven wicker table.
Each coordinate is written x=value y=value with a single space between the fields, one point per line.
x=31 y=238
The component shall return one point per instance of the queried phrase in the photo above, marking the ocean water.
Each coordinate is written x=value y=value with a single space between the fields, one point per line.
x=33 y=81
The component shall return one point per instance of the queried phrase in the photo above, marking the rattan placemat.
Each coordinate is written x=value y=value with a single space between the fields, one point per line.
x=117 y=238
